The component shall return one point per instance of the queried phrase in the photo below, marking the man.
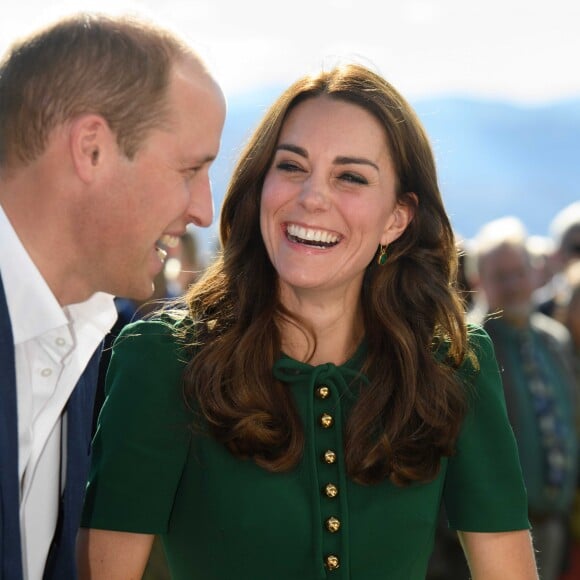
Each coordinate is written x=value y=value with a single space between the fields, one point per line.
x=565 y=231
x=107 y=131
x=535 y=353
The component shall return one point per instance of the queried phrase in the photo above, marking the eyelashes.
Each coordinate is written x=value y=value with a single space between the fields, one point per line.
x=289 y=167
x=353 y=178
x=347 y=176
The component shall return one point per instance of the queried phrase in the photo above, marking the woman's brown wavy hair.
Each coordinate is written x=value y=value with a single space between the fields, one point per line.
x=409 y=415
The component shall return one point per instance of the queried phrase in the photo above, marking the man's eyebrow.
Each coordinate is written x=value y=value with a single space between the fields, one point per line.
x=200 y=161
x=341 y=160
x=208 y=159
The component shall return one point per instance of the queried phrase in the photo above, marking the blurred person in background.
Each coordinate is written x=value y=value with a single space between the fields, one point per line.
x=567 y=311
x=565 y=232
x=107 y=130
x=542 y=252
x=534 y=352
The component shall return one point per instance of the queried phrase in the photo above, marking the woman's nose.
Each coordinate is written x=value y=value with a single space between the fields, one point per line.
x=315 y=195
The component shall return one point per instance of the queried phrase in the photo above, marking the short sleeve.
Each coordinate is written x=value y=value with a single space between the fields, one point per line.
x=142 y=438
x=484 y=489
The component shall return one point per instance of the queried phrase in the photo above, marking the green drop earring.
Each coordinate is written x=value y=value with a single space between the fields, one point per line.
x=382 y=257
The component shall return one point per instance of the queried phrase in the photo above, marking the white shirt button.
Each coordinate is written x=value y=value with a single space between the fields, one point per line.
x=60 y=341
x=46 y=372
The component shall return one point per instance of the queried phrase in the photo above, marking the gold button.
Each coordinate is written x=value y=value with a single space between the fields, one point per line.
x=331 y=490
x=322 y=392
x=332 y=524
x=329 y=457
x=332 y=562
x=326 y=421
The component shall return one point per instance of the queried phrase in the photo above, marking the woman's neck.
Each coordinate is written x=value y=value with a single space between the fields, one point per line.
x=337 y=328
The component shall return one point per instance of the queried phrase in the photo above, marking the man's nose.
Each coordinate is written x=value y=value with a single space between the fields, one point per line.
x=200 y=210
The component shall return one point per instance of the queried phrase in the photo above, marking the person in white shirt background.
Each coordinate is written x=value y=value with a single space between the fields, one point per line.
x=108 y=127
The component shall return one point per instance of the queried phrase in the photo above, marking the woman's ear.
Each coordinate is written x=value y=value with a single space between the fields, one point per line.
x=90 y=141
x=400 y=218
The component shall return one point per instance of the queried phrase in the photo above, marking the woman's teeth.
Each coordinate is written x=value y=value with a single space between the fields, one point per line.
x=161 y=253
x=311 y=237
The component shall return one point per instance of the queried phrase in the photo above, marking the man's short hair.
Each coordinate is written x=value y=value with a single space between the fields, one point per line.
x=118 y=68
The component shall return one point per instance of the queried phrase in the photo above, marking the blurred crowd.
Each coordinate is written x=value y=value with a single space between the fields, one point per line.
x=525 y=291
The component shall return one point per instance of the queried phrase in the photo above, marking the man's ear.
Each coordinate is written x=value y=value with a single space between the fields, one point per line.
x=91 y=144
x=402 y=216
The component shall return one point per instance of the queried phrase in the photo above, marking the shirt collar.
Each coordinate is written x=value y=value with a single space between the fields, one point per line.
x=99 y=310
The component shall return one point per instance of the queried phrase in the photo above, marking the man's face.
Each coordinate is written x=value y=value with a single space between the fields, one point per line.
x=150 y=199
x=507 y=281
x=571 y=246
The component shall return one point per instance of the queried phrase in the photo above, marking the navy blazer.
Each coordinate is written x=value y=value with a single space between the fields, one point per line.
x=61 y=563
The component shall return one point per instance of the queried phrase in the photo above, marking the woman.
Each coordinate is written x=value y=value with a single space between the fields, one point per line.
x=333 y=388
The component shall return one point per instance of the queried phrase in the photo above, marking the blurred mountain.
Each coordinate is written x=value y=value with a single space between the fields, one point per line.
x=494 y=158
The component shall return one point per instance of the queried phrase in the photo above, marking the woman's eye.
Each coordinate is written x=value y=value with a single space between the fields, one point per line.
x=288 y=166
x=353 y=178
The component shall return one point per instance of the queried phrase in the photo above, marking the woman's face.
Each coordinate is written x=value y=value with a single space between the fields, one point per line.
x=329 y=198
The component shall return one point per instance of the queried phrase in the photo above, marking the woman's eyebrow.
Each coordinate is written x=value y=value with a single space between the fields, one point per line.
x=341 y=160
x=293 y=149
x=357 y=160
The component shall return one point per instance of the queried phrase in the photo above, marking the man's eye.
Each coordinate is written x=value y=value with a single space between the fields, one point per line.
x=353 y=178
x=190 y=172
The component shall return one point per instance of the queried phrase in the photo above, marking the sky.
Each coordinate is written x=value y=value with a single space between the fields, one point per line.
x=518 y=50
x=523 y=52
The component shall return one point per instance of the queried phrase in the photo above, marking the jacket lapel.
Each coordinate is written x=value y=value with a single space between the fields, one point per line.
x=61 y=558
x=10 y=552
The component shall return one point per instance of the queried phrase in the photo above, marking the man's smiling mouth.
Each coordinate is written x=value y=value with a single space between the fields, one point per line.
x=165 y=242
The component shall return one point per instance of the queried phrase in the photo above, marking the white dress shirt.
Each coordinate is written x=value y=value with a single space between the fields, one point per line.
x=52 y=345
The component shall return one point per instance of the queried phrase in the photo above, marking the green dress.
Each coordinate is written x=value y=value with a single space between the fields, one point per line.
x=223 y=518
